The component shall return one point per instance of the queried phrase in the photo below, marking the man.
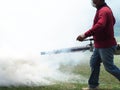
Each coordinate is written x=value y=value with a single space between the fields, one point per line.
x=104 y=43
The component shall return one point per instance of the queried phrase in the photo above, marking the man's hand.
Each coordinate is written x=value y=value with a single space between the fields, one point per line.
x=81 y=37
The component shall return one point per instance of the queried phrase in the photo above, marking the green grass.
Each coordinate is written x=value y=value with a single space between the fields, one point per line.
x=107 y=81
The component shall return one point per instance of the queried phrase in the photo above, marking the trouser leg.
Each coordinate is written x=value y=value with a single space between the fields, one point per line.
x=95 y=69
x=107 y=56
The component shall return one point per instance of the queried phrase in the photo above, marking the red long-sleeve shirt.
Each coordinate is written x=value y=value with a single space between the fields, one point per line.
x=103 y=28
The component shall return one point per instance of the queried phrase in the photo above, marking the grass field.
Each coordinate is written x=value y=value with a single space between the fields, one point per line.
x=107 y=81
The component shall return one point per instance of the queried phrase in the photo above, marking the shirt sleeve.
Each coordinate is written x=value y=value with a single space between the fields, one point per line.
x=99 y=25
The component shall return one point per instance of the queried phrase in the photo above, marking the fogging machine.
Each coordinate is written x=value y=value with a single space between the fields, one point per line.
x=75 y=49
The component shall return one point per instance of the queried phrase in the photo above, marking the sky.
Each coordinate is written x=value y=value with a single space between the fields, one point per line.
x=30 y=26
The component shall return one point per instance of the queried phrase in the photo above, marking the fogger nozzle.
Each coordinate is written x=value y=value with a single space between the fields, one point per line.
x=73 y=49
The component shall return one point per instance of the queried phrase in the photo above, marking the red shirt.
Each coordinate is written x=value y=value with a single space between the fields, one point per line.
x=103 y=28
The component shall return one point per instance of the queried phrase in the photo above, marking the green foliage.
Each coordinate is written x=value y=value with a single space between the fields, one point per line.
x=117 y=32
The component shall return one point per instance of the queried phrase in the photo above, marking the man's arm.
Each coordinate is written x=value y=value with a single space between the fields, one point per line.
x=102 y=18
